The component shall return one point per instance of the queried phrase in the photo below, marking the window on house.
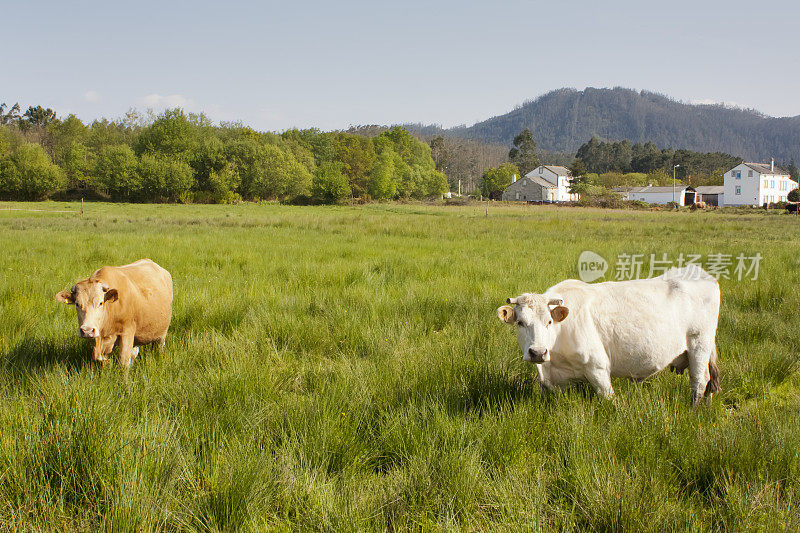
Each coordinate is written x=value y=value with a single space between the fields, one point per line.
x=749 y=173
x=524 y=182
x=541 y=170
x=517 y=196
x=736 y=174
x=738 y=189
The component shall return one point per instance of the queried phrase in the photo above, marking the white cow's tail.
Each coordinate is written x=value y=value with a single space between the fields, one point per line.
x=713 y=383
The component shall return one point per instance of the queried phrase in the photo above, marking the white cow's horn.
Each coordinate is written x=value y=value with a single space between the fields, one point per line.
x=511 y=300
x=555 y=301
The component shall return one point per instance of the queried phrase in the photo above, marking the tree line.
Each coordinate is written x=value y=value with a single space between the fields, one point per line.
x=178 y=156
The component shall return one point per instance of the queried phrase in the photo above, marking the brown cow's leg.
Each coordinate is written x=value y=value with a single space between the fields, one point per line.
x=102 y=348
x=126 y=350
x=163 y=340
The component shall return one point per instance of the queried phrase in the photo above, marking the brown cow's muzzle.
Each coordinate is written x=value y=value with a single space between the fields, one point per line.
x=88 y=332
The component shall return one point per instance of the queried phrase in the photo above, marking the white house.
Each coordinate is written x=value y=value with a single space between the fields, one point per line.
x=756 y=184
x=546 y=183
x=682 y=194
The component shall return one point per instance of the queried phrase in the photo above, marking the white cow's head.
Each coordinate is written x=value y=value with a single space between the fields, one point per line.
x=536 y=317
x=90 y=298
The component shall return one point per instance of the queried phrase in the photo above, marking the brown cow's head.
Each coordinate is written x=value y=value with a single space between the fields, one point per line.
x=90 y=298
x=536 y=317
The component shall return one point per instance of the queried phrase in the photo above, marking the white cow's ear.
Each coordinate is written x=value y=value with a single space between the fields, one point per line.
x=506 y=314
x=559 y=313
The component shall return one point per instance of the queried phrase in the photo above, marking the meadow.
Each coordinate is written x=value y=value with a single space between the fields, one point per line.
x=343 y=369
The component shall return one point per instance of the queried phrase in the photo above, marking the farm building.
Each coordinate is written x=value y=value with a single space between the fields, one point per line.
x=710 y=194
x=546 y=183
x=682 y=194
x=756 y=184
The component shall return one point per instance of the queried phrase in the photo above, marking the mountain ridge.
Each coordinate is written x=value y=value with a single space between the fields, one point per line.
x=564 y=119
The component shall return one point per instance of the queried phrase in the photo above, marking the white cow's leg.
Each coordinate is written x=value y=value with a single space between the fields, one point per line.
x=600 y=378
x=597 y=369
x=699 y=354
x=135 y=352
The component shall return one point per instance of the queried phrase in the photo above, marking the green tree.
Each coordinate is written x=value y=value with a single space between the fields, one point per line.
x=276 y=174
x=382 y=184
x=794 y=173
x=357 y=155
x=433 y=184
x=172 y=134
x=30 y=174
x=37 y=116
x=11 y=116
x=320 y=144
x=207 y=158
x=103 y=133
x=164 y=178
x=117 y=173
x=330 y=185
x=579 y=182
x=70 y=151
x=496 y=180
x=523 y=154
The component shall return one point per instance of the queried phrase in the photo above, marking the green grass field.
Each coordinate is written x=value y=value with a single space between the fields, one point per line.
x=343 y=369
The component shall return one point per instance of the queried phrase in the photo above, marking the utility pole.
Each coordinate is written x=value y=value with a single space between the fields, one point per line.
x=673 y=183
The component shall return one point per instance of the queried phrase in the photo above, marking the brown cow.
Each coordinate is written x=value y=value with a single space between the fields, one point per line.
x=127 y=305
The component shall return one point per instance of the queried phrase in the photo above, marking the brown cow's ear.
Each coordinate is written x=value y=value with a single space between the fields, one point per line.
x=65 y=297
x=559 y=313
x=111 y=295
x=506 y=314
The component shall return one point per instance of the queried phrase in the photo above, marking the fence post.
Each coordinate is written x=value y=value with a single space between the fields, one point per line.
x=81 y=205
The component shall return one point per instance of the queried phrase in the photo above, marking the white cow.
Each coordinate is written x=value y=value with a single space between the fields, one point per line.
x=577 y=331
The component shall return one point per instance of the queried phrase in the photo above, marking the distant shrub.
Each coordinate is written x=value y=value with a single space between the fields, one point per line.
x=794 y=195
x=463 y=200
x=607 y=199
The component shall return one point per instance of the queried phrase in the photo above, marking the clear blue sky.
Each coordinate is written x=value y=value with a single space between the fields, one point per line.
x=274 y=65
